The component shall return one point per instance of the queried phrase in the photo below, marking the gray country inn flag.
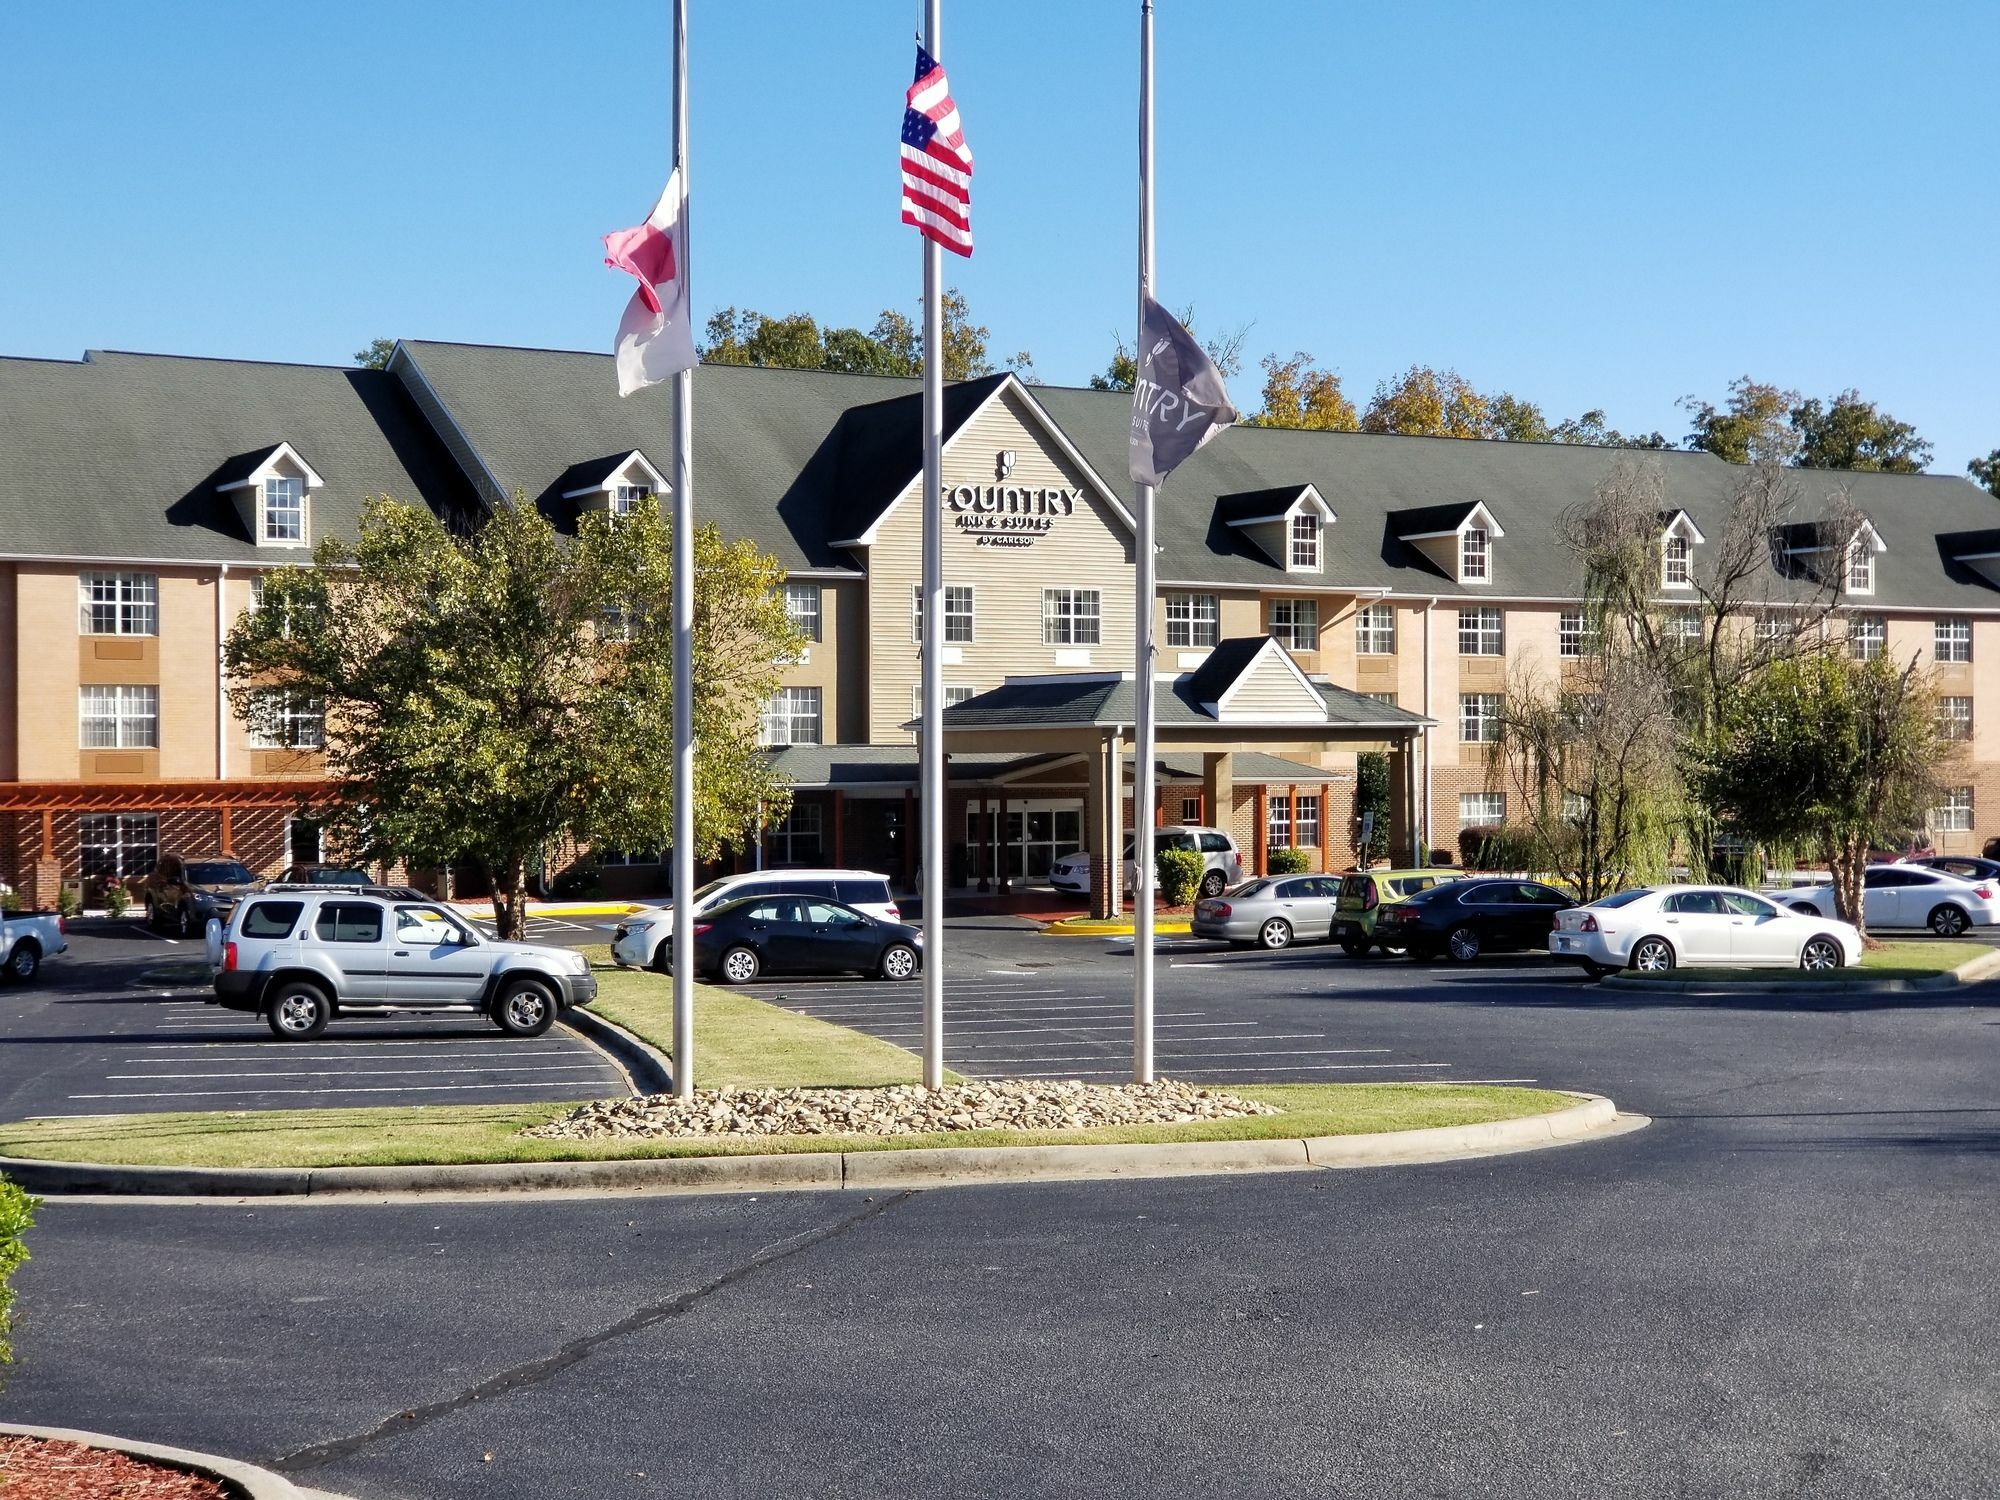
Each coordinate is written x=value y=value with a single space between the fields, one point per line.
x=1178 y=402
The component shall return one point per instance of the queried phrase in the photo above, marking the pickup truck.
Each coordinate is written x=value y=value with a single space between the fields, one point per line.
x=26 y=938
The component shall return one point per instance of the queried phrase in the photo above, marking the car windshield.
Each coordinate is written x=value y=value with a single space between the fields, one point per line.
x=1623 y=898
x=338 y=877
x=218 y=872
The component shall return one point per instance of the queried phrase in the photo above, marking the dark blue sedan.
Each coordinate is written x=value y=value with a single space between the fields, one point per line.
x=802 y=935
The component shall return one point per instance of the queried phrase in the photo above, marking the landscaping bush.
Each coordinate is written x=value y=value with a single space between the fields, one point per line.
x=1441 y=858
x=1371 y=795
x=1289 y=862
x=1496 y=847
x=67 y=902
x=17 y=1217
x=1179 y=872
x=117 y=900
x=580 y=881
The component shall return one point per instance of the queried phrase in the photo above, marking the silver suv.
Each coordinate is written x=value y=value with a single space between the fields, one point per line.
x=301 y=955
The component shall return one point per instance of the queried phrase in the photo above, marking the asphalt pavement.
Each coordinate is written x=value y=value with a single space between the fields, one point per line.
x=1783 y=1287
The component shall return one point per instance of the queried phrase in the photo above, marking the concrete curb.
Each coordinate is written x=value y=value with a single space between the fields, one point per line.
x=1972 y=971
x=1591 y=1116
x=1061 y=928
x=646 y=1068
x=253 y=1482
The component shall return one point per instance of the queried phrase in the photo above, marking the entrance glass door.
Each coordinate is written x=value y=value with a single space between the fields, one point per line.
x=1037 y=834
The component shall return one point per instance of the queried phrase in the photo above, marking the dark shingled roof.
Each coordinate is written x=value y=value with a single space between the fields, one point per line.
x=118 y=455
x=1102 y=701
x=811 y=766
x=1228 y=661
x=1234 y=510
x=1428 y=520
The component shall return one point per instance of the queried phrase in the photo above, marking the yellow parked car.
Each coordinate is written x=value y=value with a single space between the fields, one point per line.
x=1363 y=896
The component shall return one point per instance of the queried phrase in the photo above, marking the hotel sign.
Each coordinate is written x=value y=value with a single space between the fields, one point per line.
x=1008 y=515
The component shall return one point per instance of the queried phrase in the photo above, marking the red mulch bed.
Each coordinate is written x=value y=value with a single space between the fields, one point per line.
x=36 y=1469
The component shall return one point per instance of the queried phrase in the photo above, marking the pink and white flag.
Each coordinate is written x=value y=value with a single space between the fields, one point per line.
x=656 y=334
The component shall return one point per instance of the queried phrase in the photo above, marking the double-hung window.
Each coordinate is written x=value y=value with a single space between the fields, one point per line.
x=957 y=613
x=796 y=841
x=1955 y=718
x=1677 y=563
x=119 y=717
x=791 y=717
x=1474 y=548
x=1952 y=640
x=119 y=604
x=1193 y=620
x=1482 y=809
x=1295 y=622
x=1305 y=542
x=1480 y=632
x=289 y=720
x=1955 y=813
x=284 y=509
x=802 y=609
x=1574 y=635
x=1867 y=635
x=626 y=498
x=1860 y=569
x=1479 y=718
x=1071 y=617
x=1277 y=821
x=1375 y=630
x=1683 y=625
x=119 y=845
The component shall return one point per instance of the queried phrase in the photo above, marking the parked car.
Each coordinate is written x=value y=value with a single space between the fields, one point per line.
x=1964 y=866
x=183 y=893
x=1366 y=894
x=306 y=956
x=317 y=874
x=1271 y=911
x=1465 y=918
x=1656 y=928
x=1222 y=861
x=741 y=939
x=27 y=938
x=639 y=941
x=1911 y=896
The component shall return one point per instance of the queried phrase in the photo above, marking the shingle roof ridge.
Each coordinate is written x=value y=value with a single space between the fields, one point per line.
x=91 y=356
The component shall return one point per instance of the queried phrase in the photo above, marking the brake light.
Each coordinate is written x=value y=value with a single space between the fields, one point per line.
x=1984 y=893
x=1370 y=897
x=1588 y=924
x=895 y=912
x=62 y=923
x=229 y=955
x=1219 y=908
x=701 y=927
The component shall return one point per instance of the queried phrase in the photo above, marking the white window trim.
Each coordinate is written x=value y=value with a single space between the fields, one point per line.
x=1316 y=541
x=605 y=492
x=1938 y=628
x=792 y=718
x=1050 y=618
x=1485 y=555
x=796 y=589
x=1956 y=813
x=1289 y=637
x=1367 y=637
x=1486 y=817
x=146 y=596
x=1480 y=632
x=1203 y=617
x=1668 y=559
x=265 y=511
x=970 y=614
x=121 y=715
x=299 y=710
x=1876 y=638
x=1491 y=707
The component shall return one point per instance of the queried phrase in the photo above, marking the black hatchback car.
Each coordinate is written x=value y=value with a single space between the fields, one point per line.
x=1465 y=918
x=739 y=940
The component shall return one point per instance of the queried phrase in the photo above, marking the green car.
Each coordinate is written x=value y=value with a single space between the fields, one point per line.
x=1363 y=897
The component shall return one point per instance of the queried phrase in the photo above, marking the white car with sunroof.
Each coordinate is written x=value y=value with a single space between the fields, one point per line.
x=1657 y=928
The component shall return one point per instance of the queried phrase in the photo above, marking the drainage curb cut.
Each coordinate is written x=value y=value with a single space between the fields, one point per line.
x=645 y=1067
x=1094 y=928
x=1972 y=971
x=256 y=1483
x=1592 y=1115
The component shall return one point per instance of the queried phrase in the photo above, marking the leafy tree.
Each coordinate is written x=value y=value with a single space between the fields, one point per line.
x=1296 y=394
x=1225 y=349
x=753 y=338
x=17 y=1217
x=1593 y=429
x=1753 y=425
x=894 y=346
x=492 y=695
x=1825 y=752
x=375 y=356
x=1120 y=373
x=1519 y=421
x=1986 y=471
x=1423 y=402
x=1371 y=795
x=1850 y=433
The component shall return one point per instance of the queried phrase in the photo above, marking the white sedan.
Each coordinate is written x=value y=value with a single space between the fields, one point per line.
x=1910 y=896
x=1663 y=927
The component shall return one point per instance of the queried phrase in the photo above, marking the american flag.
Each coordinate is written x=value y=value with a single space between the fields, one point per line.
x=937 y=164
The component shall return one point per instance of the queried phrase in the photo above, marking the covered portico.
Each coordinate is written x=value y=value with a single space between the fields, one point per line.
x=1249 y=698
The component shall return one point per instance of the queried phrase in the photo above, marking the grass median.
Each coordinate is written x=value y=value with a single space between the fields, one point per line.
x=1923 y=959
x=744 y=1043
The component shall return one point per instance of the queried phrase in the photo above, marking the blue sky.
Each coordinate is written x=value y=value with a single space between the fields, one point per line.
x=1589 y=205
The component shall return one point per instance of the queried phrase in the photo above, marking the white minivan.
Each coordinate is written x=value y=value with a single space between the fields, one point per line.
x=639 y=942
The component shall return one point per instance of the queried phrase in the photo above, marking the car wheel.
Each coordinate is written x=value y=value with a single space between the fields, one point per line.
x=663 y=955
x=1595 y=971
x=738 y=966
x=25 y=962
x=1353 y=949
x=524 y=1007
x=899 y=961
x=1211 y=883
x=1805 y=908
x=298 y=1012
x=1653 y=956
x=1274 y=934
x=1947 y=920
x=1394 y=950
x=1462 y=943
x=152 y=914
x=183 y=920
x=1820 y=953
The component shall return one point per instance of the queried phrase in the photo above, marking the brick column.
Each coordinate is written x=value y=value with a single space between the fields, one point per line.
x=1325 y=831
x=1259 y=834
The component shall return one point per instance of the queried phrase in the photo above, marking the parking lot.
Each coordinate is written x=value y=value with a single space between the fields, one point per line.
x=120 y=1025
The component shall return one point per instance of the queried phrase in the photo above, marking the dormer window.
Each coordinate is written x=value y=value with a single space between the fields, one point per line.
x=1677 y=565
x=1860 y=569
x=617 y=484
x=626 y=498
x=1474 y=545
x=1305 y=542
x=284 y=509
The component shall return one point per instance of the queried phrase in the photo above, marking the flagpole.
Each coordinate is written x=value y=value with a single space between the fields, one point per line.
x=1142 y=657
x=683 y=627
x=930 y=756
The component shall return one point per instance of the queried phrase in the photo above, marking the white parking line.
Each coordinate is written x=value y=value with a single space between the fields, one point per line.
x=973 y=1019
x=408 y=1088
x=1115 y=1031
x=277 y=1049
x=343 y=1072
x=1119 y=1034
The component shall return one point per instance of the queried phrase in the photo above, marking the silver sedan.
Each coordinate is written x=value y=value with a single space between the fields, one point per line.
x=1272 y=913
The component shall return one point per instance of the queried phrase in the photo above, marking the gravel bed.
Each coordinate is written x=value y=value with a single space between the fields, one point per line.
x=904 y=1109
